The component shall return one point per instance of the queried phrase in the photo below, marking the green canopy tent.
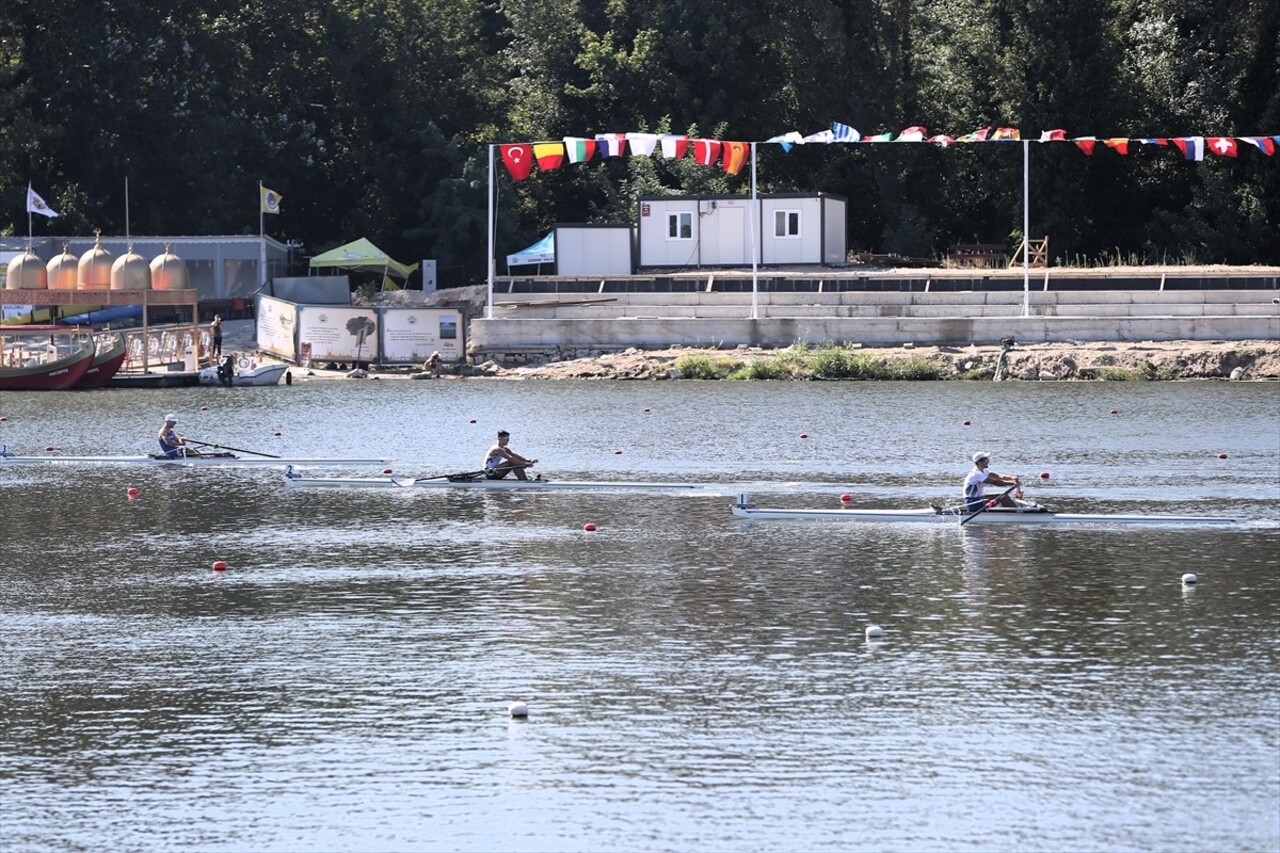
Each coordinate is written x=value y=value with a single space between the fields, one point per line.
x=362 y=255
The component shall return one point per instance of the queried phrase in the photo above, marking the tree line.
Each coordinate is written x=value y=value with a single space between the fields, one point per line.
x=373 y=117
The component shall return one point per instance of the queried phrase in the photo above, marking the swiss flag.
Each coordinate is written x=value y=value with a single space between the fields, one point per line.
x=1223 y=146
x=518 y=159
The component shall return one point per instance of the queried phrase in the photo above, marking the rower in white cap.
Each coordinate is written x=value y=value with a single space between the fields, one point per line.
x=980 y=476
x=173 y=445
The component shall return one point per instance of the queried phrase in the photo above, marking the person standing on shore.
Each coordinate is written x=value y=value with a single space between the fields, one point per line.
x=981 y=476
x=502 y=460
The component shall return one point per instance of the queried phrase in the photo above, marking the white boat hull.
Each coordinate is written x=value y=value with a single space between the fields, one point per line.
x=263 y=374
x=997 y=515
x=296 y=481
x=229 y=460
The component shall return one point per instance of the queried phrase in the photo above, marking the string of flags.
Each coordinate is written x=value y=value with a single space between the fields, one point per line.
x=520 y=157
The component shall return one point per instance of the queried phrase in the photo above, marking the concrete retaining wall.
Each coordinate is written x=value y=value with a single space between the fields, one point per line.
x=525 y=327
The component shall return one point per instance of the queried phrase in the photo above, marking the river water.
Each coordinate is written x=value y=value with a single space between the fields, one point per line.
x=694 y=682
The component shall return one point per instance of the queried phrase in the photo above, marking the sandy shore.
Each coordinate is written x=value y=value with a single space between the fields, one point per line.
x=1172 y=360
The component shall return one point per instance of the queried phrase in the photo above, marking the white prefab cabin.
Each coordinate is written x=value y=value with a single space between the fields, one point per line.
x=717 y=231
x=588 y=250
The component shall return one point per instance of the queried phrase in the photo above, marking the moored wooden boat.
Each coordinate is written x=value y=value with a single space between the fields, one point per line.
x=108 y=358
x=44 y=358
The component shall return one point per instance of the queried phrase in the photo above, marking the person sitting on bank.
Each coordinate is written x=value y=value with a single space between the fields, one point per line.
x=502 y=460
x=173 y=445
x=434 y=364
x=982 y=476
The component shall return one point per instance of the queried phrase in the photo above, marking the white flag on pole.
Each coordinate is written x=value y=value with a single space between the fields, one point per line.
x=35 y=204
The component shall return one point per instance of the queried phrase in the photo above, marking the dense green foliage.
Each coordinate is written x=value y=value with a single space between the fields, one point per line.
x=373 y=117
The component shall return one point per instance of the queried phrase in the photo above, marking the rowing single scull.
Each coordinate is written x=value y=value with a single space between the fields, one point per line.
x=1029 y=514
x=293 y=479
x=228 y=459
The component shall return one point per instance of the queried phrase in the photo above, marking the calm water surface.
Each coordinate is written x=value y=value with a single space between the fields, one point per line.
x=694 y=681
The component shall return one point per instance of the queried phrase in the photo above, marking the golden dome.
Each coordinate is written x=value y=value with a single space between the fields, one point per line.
x=130 y=272
x=27 y=272
x=63 y=271
x=168 y=272
x=94 y=271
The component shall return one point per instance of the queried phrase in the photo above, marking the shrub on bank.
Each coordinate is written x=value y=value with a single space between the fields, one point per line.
x=824 y=362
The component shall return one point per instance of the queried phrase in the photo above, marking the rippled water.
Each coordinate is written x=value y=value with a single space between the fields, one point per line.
x=694 y=681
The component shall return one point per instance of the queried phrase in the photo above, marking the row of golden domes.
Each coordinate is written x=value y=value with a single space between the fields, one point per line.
x=97 y=269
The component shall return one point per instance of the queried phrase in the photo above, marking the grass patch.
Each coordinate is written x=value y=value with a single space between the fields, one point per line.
x=1120 y=374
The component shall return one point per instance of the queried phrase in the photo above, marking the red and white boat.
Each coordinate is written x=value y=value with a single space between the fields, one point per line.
x=109 y=356
x=44 y=358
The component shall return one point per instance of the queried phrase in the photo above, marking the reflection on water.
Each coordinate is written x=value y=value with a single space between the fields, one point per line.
x=694 y=681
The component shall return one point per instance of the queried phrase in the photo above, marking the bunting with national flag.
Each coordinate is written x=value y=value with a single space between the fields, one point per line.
x=1120 y=145
x=734 y=156
x=1192 y=147
x=979 y=135
x=611 y=144
x=1086 y=144
x=706 y=151
x=674 y=145
x=579 y=149
x=1265 y=144
x=844 y=133
x=550 y=155
x=1223 y=146
x=1006 y=134
x=912 y=134
x=642 y=144
x=518 y=159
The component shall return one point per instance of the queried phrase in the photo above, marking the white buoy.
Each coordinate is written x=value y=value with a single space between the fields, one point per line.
x=874 y=632
x=518 y=709
x=1189 y=578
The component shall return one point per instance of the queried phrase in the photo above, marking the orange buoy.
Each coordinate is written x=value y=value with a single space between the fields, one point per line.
x=133 y=492
x=1222 y=456
x=50 y=449
x=276 y=433
x=846 y=498
x=219 y=565
x=966 y=423
x=386 y=470
x=589 y=526
x=1044 y=475
x=804 y=435
x=1115 y=411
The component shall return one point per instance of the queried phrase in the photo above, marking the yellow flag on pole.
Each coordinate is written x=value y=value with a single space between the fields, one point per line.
x=271 y=200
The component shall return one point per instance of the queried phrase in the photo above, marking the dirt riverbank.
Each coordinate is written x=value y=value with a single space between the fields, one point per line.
x=1172 y=360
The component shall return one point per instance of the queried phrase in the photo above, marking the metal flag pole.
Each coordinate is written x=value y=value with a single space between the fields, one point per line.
x=262 y=242
x=1026 y=228
x=756 y=225
x=126 y=209
x=488 y=304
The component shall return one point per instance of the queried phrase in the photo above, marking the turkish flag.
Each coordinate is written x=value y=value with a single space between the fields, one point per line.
x=1223 y=146
x=518 y=159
